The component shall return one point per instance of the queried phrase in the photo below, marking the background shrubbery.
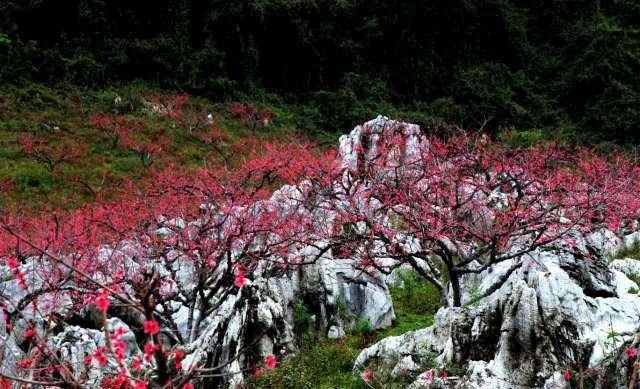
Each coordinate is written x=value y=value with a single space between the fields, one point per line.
x=551 y=65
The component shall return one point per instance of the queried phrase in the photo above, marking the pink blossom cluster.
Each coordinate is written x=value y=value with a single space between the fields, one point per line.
x=462 y=204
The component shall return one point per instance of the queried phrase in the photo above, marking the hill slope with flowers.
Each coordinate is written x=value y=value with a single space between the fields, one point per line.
x=63 y=148
x=194 y=281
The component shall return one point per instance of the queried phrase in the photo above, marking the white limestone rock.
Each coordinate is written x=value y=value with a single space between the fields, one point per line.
x=541 y=320
x=628 y=266
x=335 y=332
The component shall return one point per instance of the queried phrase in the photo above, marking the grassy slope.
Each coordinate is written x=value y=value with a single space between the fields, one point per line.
x=64 y=116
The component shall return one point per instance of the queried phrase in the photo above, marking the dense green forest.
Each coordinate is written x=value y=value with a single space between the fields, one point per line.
x=568 y=67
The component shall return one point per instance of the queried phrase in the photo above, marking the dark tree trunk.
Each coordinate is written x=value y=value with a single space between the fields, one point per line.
x=455 y=288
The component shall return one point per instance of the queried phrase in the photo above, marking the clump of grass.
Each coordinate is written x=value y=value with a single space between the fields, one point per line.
x=414 y=294
x=320 y=364
x=631 y=251
x=415 y=302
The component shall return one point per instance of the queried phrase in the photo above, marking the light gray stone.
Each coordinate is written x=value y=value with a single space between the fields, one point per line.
x=543 y=319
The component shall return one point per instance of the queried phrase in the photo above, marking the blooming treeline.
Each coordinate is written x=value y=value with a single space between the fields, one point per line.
x=163 y=260
x=459 y=206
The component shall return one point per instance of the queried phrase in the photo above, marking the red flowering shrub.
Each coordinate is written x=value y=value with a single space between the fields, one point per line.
x=116 y=127
x=181 y=113
x=251 y=114
x=107 y=251
x=151 y=327
x=129 y=133
x=51 y=154
x=465 y=204
x=145 y=149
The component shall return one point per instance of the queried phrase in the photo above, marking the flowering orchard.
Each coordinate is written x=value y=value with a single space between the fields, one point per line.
x=148 y=272
x=450 y=208
x=183 y=244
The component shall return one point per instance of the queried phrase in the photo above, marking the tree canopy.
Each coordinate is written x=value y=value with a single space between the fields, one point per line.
x=570 y=65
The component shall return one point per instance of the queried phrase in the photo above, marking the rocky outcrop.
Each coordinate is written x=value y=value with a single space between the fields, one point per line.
x=259 y=320
x=559 y=311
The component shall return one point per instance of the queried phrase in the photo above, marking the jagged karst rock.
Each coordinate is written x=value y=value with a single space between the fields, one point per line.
x=75 y=344
x=555 y=313
x=258 y=321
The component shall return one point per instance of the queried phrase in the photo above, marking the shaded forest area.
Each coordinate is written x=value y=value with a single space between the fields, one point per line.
x=554 y=67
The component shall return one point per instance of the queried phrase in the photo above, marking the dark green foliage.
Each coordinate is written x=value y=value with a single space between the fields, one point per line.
x=496 y=63
x=414 y=294
x=303 y=321
x=362 y=327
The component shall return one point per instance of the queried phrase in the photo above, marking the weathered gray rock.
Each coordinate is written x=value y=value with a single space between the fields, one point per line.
x=259 y=318
x=11 y=355
x=557 y=312
x=335 y=332
x=628 y=266
x=253 y=319
x=75 y=344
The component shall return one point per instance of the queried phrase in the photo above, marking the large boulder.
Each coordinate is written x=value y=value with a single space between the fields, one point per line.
x=560 y=312
x=259 y=319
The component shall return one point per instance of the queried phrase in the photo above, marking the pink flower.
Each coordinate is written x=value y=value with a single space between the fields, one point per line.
x=270 y=362
x=100 y=356
x=141 y=385
x=21 y=281
x=149 y=349
x=151 y=327
x=102 y=301
x=257 y=373
x=26 y=363
x=428 y=375
x=120 y=348
x=367 y=375
x=178 y=357
x=29 y=333
x=137 y=364
x=566 y=374
x=240 y=280
x=119 y=331
x=12 y=262
x=632 y=353
x=187 y=386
